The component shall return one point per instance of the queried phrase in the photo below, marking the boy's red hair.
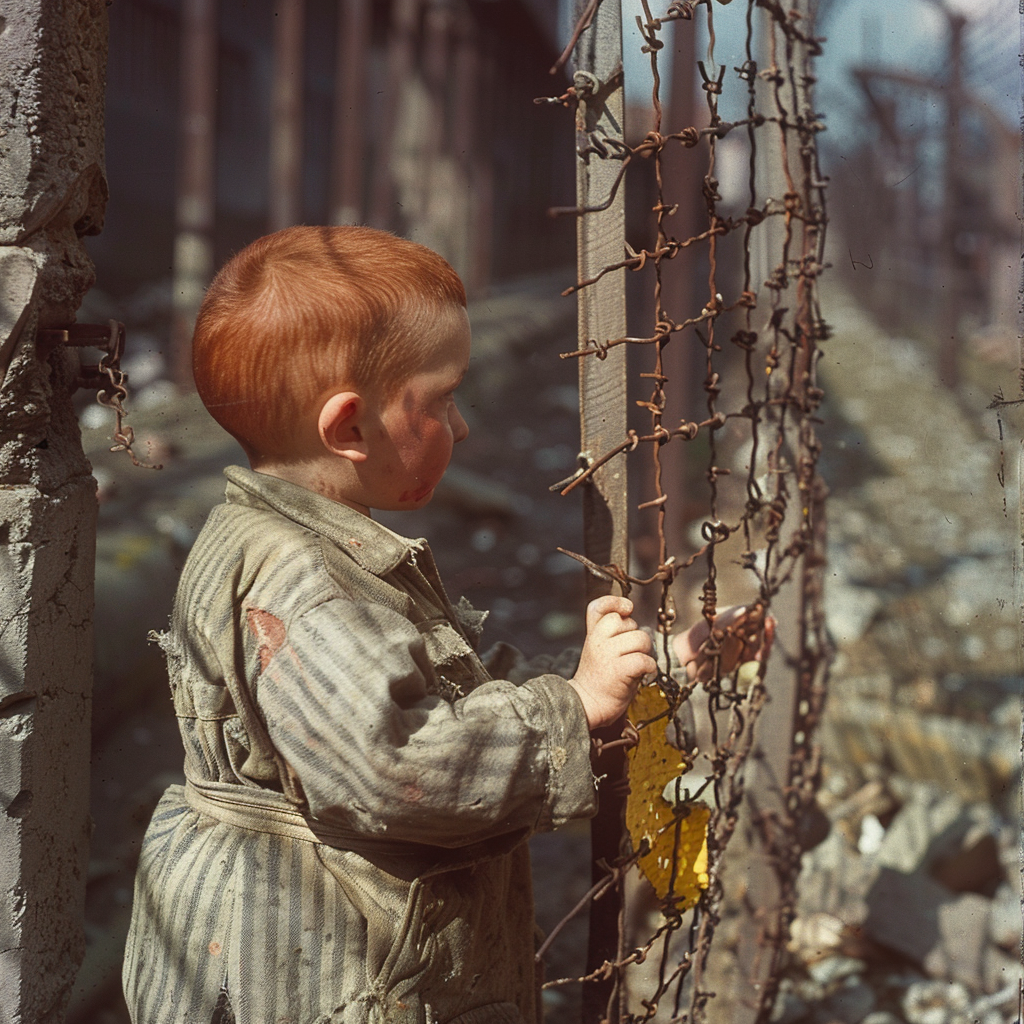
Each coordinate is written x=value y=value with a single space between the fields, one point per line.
x=307 y=311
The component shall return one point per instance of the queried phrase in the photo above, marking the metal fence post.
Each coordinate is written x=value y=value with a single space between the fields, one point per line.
x=348 y=149
x=401 y=58
x=602 y=317
x=194 y=213
x=286 y=116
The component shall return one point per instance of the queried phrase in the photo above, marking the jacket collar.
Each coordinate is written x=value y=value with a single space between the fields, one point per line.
x=370 y=544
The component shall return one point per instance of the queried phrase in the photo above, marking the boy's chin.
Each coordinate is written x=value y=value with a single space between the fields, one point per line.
x=414 y=499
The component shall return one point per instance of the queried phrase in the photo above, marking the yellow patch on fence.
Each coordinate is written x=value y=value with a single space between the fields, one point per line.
x=677 y=861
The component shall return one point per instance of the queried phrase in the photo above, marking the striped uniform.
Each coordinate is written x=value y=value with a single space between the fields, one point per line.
x=350 y=843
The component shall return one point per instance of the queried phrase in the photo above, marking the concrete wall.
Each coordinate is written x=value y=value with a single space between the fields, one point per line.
x=52 y=192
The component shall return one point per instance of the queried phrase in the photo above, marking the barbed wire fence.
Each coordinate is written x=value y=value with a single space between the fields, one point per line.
x=706 y=792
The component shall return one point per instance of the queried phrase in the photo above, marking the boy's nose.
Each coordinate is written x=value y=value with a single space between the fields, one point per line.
x=460 y=428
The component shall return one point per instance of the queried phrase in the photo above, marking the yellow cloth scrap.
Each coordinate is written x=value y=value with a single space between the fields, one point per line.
x=678 y=859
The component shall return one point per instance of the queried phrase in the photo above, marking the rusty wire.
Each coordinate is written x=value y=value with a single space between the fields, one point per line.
x=771 y=373
x=107 y=377
x=112 y=395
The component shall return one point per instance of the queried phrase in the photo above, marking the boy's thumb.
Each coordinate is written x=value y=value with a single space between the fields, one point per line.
x=606 y=605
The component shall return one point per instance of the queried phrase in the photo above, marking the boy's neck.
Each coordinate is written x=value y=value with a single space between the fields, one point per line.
x=315 y=476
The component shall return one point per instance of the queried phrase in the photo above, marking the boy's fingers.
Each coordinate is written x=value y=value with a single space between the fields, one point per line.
x=635 y=641
x=613 y=624
x=638 y=665
x=750 y=634
x=686 y=645
x=607 y=605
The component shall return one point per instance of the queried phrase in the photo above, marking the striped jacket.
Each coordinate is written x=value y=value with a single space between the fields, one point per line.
x=350 y=843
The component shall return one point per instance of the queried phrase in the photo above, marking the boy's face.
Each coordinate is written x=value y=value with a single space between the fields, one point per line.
x=418 y=427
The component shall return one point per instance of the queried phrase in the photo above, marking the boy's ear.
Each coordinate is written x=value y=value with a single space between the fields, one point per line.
x=340 y=426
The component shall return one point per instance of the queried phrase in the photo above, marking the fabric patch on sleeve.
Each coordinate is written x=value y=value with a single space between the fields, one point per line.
x=269 y=632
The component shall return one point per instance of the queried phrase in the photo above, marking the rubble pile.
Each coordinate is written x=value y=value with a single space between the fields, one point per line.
x=910 y=909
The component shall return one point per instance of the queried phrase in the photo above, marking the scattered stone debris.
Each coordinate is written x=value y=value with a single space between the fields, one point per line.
x=914 y=897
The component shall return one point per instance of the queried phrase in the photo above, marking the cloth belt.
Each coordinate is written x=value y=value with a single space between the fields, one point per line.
x=263 y=810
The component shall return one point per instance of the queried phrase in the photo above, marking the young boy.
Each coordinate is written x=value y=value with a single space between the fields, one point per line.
x=350 y=845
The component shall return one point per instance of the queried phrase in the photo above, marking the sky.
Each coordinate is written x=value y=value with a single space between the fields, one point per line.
x=902 y=33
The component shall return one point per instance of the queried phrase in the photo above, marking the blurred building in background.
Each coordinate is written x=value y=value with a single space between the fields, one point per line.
x=227 y=119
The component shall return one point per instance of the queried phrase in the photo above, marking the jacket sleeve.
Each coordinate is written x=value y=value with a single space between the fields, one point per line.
x=503 y=661
x=346 y=703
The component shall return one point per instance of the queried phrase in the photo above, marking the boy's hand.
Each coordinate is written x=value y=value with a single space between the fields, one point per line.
x=613 y=662
x=744 y=634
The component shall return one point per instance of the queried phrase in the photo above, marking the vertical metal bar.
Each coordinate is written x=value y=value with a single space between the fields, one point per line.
x=683 y=358
x=285 y=207
x=347 y=150
x=1018 y=585
x=435 y=190
x=405 y=16
x=194 y=211
x=475 y=71
x=949 y=303
x=602 y=317
x=467 y=143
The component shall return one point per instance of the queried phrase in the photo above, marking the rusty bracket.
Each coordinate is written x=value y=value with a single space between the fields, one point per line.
x=106 y=377
x=109 y=337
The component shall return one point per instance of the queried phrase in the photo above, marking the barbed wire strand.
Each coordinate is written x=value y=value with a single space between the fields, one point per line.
x=780 y=413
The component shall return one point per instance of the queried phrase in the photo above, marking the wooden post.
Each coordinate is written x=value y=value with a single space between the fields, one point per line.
x=602 y=317
x=194 y=212
x=286 y=116
x=405 y=15
x=52 y=193
x=348 y=151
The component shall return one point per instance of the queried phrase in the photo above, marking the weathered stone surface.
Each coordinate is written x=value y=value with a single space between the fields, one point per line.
x=834 y=880
x=936 y=1002
x=52 y=192
x=973 y=868
x=835 y=968
x=788 y=1008
x=849 y=1004
x=19 y=275
x=46 y=651
x=961 y=950
x=51 y=106
x=1006 y=922
x=918 y=825
x=945 y=933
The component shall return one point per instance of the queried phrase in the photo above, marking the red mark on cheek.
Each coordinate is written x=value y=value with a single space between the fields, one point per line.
x=269 y=632
x=412 y=793
x=420 y=492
